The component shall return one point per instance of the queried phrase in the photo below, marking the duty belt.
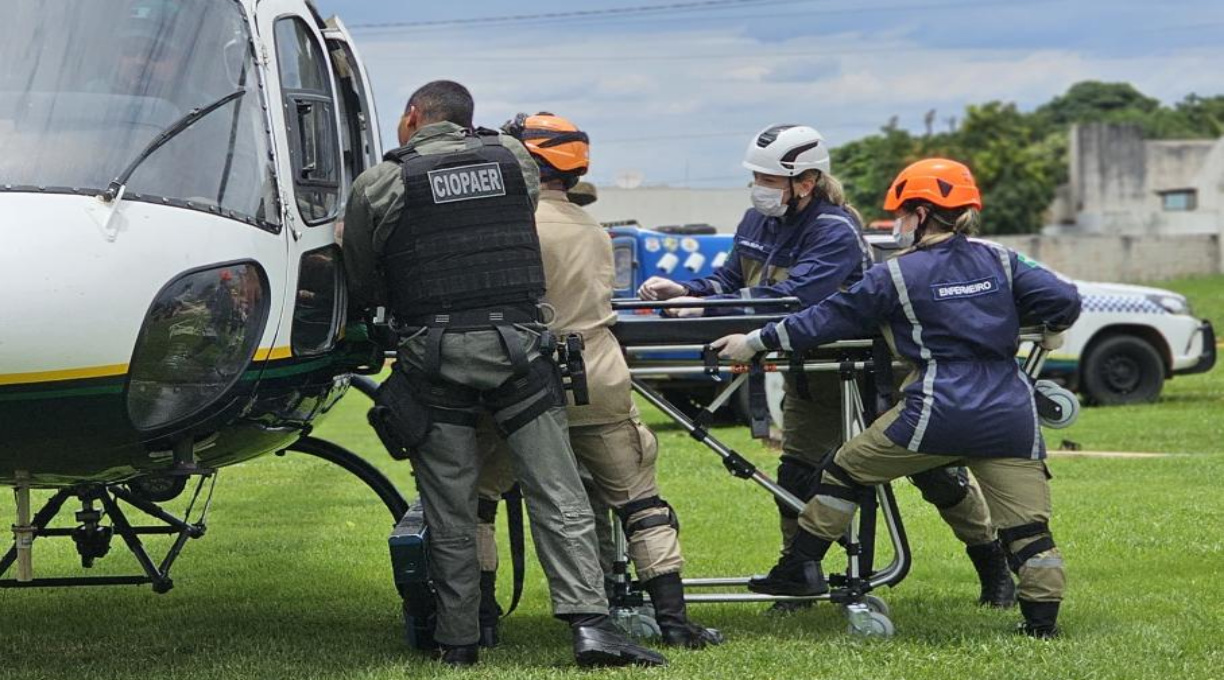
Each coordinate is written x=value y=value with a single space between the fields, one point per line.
x=468 y=319
x=500 y=319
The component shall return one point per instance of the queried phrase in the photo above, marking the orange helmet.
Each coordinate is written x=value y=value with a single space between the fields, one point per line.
x=945 y=183
x=553 y=140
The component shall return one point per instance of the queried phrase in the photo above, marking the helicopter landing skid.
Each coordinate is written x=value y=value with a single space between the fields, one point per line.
x=359 y=467
x=93 y=539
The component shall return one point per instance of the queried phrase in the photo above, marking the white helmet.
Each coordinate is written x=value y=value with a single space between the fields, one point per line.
x=786 y=151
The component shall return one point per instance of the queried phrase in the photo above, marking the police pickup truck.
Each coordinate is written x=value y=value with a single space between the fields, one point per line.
x=1127 y=342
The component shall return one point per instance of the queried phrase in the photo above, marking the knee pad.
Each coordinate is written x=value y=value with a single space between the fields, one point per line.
x=633 y=507
x=486 y=510
x=852 y=491
x=1017 y=558
x=799 y=477
x=943 y=487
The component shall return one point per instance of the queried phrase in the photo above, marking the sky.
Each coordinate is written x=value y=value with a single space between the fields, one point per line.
x=673 y=96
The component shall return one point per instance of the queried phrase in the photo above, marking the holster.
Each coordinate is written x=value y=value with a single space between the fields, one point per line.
x=399 y=417
x=573 y=368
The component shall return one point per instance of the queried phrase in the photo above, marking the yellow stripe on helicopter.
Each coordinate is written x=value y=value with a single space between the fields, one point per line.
x=66 y=374
x=113 y=370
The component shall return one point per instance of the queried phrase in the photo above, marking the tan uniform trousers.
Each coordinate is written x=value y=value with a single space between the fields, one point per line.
x=620 y=458
x=1016 y=490
x=812 y=428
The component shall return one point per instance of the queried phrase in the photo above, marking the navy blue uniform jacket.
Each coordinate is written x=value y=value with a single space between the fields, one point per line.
x=955 y=309
x=810 y=256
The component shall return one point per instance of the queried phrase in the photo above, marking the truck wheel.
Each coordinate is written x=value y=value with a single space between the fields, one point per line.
x=1123 y=369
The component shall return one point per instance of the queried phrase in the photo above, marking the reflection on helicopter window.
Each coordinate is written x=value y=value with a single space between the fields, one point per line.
x=88 y=84
x=197 y=339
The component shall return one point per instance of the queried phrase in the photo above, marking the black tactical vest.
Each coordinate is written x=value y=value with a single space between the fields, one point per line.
x=466 y=238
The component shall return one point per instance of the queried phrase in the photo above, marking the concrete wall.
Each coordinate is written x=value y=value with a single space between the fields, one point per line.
x=1116 y=177
x=657 y=206
x=1123 y=259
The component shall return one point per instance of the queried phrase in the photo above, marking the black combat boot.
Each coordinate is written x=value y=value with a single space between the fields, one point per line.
x=798 y=573
x=598 y=642
x=998 y=589
x=667 y=596
x=490 y=611
x=1040 y=619
x=459 y=656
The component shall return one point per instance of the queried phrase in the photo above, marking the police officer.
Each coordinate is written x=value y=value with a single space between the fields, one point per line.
x=954 y=307
x=801 y=239
x=607 y=434
x=442 y=234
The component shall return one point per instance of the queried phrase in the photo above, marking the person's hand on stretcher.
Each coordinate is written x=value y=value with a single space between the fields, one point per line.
x=659 y=288
x=739 y=348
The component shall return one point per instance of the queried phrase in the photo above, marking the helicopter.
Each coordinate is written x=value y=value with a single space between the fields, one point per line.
x=171 y=174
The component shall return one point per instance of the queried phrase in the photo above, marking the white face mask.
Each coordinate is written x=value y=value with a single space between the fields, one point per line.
x=768 y=201
x=903 y=239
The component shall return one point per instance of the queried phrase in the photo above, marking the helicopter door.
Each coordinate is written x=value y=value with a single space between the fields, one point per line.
x=309 y=131
x=359 y=133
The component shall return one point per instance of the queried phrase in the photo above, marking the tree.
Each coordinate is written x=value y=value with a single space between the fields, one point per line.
x=867 y=167
x=1013 y=165
x=1017 y=158
x=1093 y=101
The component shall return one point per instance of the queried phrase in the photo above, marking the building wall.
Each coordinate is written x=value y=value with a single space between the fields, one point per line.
x=1123 y=259
x=1116 y=177
x=657 y=206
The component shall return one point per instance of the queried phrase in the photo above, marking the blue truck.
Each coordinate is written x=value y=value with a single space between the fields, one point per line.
x=680 y=253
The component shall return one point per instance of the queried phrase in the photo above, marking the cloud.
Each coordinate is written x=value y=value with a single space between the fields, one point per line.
x=683 y=101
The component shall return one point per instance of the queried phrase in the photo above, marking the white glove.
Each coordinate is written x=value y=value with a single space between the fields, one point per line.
x=685 y=312
x=659 y=288
x=1051 y=340
x=739 y=348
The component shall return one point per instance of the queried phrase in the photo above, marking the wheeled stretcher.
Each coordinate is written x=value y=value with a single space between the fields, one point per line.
x=863 y=366
x=684 y=345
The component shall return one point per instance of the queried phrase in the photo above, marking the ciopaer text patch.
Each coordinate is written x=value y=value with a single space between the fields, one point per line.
x=466 y=183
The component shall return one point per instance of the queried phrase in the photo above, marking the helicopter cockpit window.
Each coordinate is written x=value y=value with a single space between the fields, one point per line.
x=310 y=115
x=88 y=84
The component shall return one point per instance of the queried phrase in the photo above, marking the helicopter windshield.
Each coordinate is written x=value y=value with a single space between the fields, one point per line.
x=88 y=84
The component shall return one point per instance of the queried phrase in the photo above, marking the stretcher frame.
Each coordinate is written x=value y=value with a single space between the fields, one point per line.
x=868 y=615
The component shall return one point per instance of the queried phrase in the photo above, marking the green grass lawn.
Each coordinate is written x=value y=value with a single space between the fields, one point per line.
x=293 y=579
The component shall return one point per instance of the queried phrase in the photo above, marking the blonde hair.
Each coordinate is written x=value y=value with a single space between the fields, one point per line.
x=948 y=223
x=830 y=188
x=957 y=220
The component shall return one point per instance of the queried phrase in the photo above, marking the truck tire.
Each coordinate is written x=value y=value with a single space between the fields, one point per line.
x=1122 y=369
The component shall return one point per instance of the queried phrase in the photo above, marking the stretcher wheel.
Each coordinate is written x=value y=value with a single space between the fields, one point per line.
x=873 y=604
x=636 y=622
x=866 y=623
x=874 y=625
x=877 y=605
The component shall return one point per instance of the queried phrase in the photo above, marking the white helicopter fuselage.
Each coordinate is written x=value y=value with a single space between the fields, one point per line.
x=202 y=303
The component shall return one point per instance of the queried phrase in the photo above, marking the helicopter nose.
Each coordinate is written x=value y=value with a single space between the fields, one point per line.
x=150 y=309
